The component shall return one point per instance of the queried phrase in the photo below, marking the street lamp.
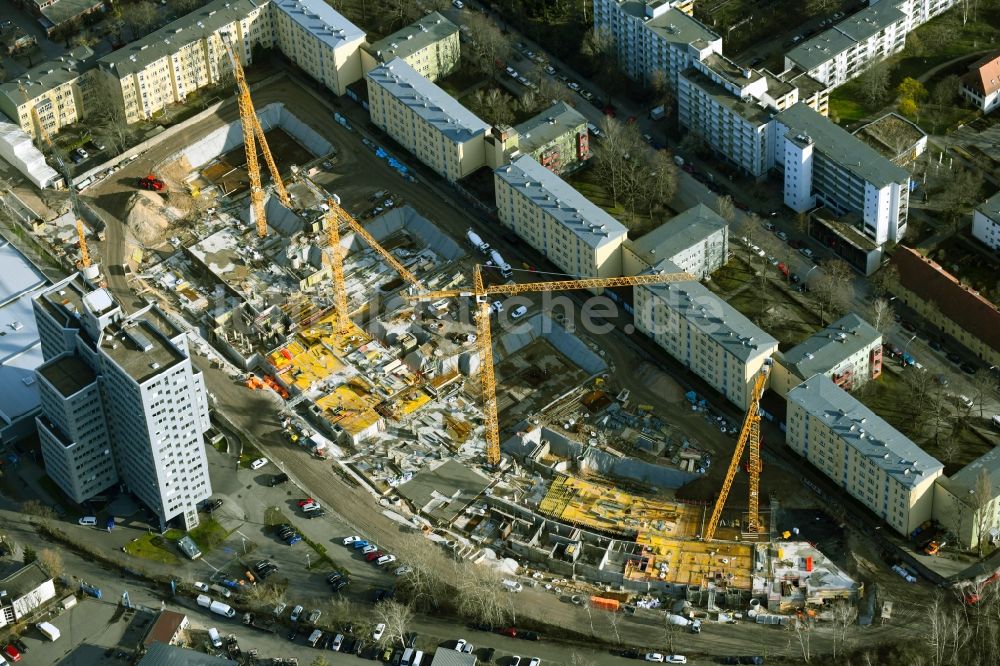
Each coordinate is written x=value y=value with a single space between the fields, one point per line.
x=912 y=338
x=806 y=278
x=307 y=560
x=244 y=540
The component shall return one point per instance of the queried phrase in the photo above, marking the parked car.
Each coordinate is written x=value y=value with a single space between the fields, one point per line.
x=311 y=506
x=675 y=659
x=201 y=587
x=374 y=555
x=782 y=236
x=278 y=479
x=307 y=500
x=379 y=630
x=258 y=463
x=806 y=252
x=339 y=585
x=519 y=312
x=351 y=539
x=296 y=612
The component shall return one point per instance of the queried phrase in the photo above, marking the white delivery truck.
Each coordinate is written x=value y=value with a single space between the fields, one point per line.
x=204 y=601
x=222 y=609
x=49 y=630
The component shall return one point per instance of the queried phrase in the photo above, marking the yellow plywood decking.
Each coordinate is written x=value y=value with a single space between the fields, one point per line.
x=322 y=332
x=302 y=366
x=610 y=510
x=668 y=532
x=350 y=407
x=687 y=562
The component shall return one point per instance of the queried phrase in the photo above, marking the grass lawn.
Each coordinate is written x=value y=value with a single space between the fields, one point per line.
x=463 y=78
x=207 y=535
x=586 y=183
x=784 y=318
x=153 y=547
x=730 y=277
x=845 y=107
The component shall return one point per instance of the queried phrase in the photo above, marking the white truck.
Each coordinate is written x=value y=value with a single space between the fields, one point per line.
x=204 y=600
x=48 y=630
x=502 y=265
x=477 y=242
x=657 y=112
x=222 y=609
x=694 y=626
x=512 y=585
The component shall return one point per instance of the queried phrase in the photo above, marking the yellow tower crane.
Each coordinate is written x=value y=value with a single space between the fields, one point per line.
x=44 y=135
x=334 y=217
x=253 y=134
x=484 y=339
x=749 y=435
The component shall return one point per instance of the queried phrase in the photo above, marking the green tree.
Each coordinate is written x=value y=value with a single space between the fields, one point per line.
x=910 y=88
x=908 y=107
x=29 y=555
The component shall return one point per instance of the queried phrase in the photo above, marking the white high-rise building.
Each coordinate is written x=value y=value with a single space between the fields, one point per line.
x=120 y=401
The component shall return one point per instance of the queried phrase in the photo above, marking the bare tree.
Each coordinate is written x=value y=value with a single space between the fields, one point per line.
x=397 y=617
x=266 y=594
x=110 y=119
x=616 y=159
x=319 y=661
x=983 y=384
x=884 y=280
x=874 y=82
x=480 y=594
x=946 y=90
x=490 y=46
x=662 y=180
x=141 y=17
x=726 y=209
x=428 y=584
x=844 y=615
x=670 y=633
x=52 y=561
x=881 y=314
x=982 y=503
x=37 y=509
x=834 y=288
x=550 y=90
x=185 y=6
x=493 y=105
x=803 y=632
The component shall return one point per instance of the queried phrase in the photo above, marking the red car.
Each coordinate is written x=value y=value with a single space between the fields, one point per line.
x=11 y=652
x=303 y=502
x=371 y=557
x=508 y=631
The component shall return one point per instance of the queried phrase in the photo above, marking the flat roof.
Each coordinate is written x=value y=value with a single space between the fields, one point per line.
x=991 y=208
x=140 y=347
x=444 y=491
x=847 y=227
x=676 y=27
x=842 y=36
x=169 y=39
x=321 y=21
x=67 y=10
x=842 y=147
x=892 y=135
x=23 y=581
x=678 y=233
x=776 y=87
x=828 y=347
x=68 y=374
x=449 y=657
x=161 y=654
x=420 y=34
x=807 y=85
x=548 y=125
x=730 y=71
x=752 y=111
x=711 y=315
x=428 y=101
x=20 y=349
x=561 y=201
x=48 y=75
x=864 y=430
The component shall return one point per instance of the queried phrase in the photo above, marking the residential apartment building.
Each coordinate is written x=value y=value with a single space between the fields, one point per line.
x=557 y=138
x=862 y=453
x=958 y=505
x=986 y=222
x=426 y=120
x=723 y=104
x=55 y=89
x=704 y=333
x=953 y=308
x=430 y=45
x=121 y=401
x=920 y=11
x=165 y=66
x=696 y=241
x=898 y=139
x=654 y=37
x=824 y=165
x=319 y=40
x=848 y=351
x=558 y=221
x=981 y=85
x=842 y=52
x=55 y=14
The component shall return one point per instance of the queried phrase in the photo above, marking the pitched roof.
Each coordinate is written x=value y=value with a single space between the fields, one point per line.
x=561 y=201
x=928 y=280
x=165 y=628
x=826 y=349
x=428 y=101
x=864 y=430
x=984 y=75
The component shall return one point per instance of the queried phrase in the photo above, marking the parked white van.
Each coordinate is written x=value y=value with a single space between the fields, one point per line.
x=213 y=635
x=512 y=585
x=88 y=521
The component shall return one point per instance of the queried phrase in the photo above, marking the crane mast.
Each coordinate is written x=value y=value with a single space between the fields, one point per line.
x=337 y=265
x=749 y=435
x=484 y=341
x=253 y=134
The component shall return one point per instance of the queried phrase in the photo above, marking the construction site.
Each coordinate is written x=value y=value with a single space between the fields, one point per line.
x=340 y=289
